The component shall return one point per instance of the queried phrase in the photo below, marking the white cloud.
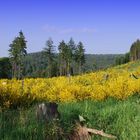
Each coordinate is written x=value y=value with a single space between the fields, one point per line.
x=67 y=31
x=48 y=28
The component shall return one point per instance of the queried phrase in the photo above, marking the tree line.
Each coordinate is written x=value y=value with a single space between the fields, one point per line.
x=71 y=57
x=132 y=55
x=135 y=51
x=68 y=60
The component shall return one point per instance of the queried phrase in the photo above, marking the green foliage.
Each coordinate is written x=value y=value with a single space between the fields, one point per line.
x=49 y=53
x=64 y=56
x=35 y=64
x=80 y=56
x=96 y=62
x=120 y=118
x=71 y=60
x=123 y=59
x=69 y=56
x=17 y=52
x=5 y=68
x=133 y=55
x=135 y=51
x=20 y=124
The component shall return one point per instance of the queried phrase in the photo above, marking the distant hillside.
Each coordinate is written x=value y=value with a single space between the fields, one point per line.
x=100 y=61
x=35 y=64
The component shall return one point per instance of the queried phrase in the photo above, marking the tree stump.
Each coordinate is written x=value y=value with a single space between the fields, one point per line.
x=80 y=133
x=47 y=111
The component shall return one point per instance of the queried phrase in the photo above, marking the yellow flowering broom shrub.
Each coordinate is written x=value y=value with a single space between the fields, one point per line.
x=116 y=82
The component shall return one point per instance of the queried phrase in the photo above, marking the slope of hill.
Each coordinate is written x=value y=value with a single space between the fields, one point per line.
x=109 y=100
x=36 y=63
x=118 y=82
x=100 y=61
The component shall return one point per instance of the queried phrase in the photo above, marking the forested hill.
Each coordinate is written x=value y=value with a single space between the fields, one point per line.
x=100 y=61
x=35 y=64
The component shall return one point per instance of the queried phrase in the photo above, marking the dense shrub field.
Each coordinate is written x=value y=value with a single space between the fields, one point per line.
x=119 y=82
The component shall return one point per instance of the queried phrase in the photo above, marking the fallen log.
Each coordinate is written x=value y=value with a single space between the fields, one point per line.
x=100 y=132
x=49 y=113
x=84 y=133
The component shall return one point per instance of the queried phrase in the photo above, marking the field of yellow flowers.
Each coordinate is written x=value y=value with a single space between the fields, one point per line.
x=117 y=82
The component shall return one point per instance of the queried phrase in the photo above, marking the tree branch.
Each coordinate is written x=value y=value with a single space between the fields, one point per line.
x=100 y=132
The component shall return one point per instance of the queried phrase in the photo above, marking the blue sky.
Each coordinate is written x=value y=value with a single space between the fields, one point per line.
x=104 y=26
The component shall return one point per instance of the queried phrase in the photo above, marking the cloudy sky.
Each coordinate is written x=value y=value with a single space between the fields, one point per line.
x=104 y=26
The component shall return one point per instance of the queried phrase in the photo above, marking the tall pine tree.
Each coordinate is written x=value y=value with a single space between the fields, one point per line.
x=49 y=53
x=17 y=52
x=80 y=56
x=63 y=58
x=70 y=55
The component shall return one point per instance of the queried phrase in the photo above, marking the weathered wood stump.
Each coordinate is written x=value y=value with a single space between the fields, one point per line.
x=83 y=133
x=47 y=111
x=80 y=133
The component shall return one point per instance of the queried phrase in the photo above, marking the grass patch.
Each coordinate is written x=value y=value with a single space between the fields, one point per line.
x=120 y=118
